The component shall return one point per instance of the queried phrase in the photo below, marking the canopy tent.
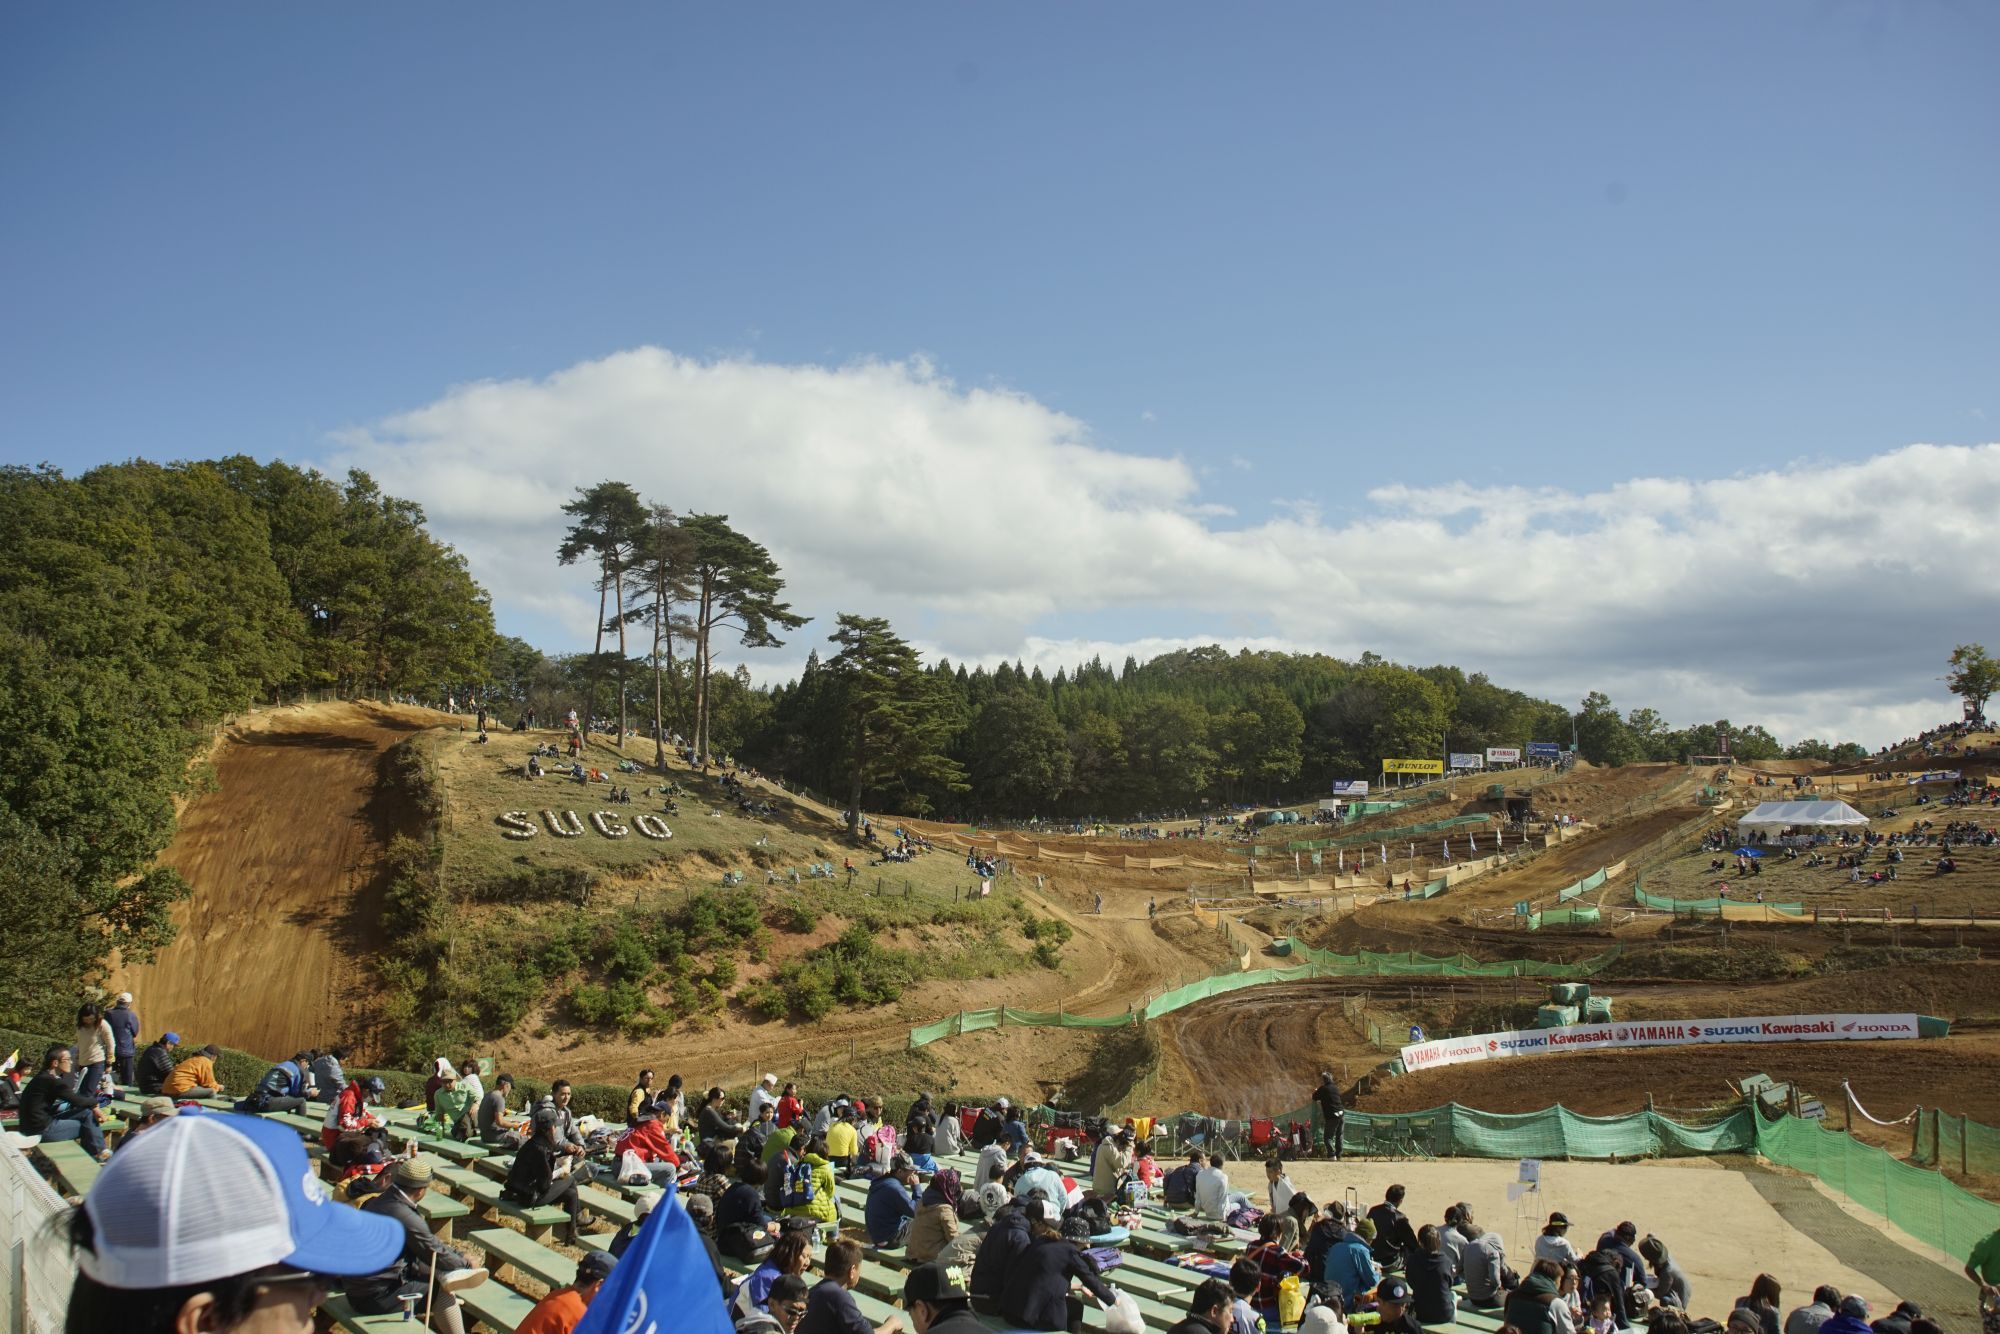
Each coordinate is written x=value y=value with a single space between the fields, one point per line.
x=1771 y=816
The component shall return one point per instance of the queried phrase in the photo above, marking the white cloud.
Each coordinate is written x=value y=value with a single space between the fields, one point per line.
x=1816 y=597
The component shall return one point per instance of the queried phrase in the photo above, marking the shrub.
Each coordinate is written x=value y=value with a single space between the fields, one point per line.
x=765 y=1000
x=1048 y=954
x=630 y=955
x=589 y=1003
x=723 y=975
x=801 y=916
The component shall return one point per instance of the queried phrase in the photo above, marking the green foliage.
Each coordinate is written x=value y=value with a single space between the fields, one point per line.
x=801 y=915
x=892 y=721
x=1974 y=676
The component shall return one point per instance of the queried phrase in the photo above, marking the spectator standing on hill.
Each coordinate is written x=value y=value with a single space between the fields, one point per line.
x=51 y=1108
x=1983 y=1268
x=95 y=1046
x=124 y=1021
x=156 y=1063
x=562 y=1310
x=1333 y=1115
x=830 y=1307
x=422 y=1252
x=195 y=1077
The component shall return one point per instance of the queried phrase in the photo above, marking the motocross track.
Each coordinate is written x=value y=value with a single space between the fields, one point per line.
x=285 y=863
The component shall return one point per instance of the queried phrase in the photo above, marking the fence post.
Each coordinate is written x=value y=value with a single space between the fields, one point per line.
x=1964 y=1146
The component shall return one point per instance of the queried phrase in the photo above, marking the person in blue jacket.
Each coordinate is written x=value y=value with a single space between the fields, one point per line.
x=890 y=1205
x=1350 y=1266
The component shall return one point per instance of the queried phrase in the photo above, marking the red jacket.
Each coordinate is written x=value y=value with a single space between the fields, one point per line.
x=789 y=1110
x=649 y=1140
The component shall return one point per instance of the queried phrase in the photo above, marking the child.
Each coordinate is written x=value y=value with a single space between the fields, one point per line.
x=1244 y=1276
x=1601 y=1320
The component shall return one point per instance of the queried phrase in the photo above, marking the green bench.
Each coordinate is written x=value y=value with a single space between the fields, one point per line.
x=540 y=1221
x=74 y=1169
x=440 y=1211
x=506 y=1247
x=346 y=1317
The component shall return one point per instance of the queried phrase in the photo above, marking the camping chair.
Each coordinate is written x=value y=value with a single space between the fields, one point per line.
x=1263 y=1132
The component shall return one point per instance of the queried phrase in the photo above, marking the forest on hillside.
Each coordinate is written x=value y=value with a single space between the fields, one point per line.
x=140 y=605
x=874 y=725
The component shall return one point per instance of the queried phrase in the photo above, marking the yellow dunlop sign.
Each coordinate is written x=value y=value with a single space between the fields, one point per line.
x=1413 y=766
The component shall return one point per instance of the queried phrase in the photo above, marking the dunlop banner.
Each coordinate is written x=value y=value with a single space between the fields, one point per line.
x=1413 y=766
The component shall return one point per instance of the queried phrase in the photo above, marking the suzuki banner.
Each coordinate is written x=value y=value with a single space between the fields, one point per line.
x=1503 y=754
x=1467 y=760
x=1661 y=1033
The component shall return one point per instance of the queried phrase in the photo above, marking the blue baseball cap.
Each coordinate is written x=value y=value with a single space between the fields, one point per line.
x=204 y=1197
x=172 y=1039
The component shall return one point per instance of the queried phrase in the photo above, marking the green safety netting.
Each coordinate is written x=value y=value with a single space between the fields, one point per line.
x=1646 y=900
x=1924 y=1204
x=1318 y=963
x=1582 y=887
x=1958 y=1142
x=1555 y=1132
x=1562 y=917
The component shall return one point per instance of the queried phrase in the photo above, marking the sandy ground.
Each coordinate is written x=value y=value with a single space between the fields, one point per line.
x=284 y=859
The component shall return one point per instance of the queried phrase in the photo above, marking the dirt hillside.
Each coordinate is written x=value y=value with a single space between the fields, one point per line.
x=284 y=859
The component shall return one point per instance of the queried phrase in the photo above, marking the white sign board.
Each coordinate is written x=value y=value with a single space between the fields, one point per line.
x=1350 y=787
x=1467 y=760
x=1503 y=754
x=1663 y=1033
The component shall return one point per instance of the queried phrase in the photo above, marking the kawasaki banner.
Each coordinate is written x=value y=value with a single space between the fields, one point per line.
x=1663 y=1033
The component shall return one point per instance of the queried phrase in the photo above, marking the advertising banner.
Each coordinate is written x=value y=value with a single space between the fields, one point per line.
x=1936 y=776
x=1350 y=787
x=1467 y=760
x=1658 y=1033
x=1543 y=750
x=1413 y=766
x=1503 y=754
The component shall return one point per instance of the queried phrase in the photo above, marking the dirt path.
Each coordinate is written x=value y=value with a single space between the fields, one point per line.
x=284 y=859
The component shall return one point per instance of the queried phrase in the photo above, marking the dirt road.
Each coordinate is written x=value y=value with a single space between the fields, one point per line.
x=284 y=859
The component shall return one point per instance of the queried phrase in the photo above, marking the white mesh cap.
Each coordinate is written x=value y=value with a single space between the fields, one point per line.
x=200 y=1198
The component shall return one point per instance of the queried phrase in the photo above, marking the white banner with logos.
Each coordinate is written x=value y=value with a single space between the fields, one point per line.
x=1350 y=787
x=1660 y=1033
x=1467 y=760
x=1503 y=754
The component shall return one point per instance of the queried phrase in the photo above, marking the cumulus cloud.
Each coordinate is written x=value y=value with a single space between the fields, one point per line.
x=1815 y=597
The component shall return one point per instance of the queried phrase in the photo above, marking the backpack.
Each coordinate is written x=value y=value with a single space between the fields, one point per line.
x=798 y=1187
x=1093 y=1212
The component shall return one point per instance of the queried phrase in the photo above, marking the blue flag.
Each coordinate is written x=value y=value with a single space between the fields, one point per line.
x=663 y=1282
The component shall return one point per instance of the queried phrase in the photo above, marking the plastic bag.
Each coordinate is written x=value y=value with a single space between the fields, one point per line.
x=1291 y=1301
x=1122 y=1316
x=632 y=1169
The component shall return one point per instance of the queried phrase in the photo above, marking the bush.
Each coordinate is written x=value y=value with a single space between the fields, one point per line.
x=630 y=955
x=801 y=916
x=589 y=1003
x=764 y=1000
x=723 y=975
x=535 y=884
x=1047 y=953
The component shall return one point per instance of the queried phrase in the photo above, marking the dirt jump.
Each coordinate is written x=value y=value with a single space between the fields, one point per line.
x=284 y=857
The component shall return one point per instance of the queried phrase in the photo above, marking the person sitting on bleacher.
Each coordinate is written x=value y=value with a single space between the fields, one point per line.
x=49 y=1109
x=1006 y=1238
x=195 y=1077
x=327 y=1075
x=1211 y=1190
x=1036 y=1293
x=152 y=1111
x=1394 y=1237
x=156 y=1063
x=949 y=1132
x=792 y=1255
x=936 y=1297
x=1350 y=1267
x=783 y=1309
x=1483 y=1263
x=890 y=1204
x=1178 y=1188
x=540 y=1174
x=1274 y=1263
x=562 y=1310
x=422 y=1256
x=1208 y=1309
x=282 y=1089
x=1430 y=1275
x=936 y=1220
x=830 y=1307
x=214 y=1223
x=824 y=1206
x=1037 y=1178
x=496 y=1130
x=349 y=1112
x=648 y=1142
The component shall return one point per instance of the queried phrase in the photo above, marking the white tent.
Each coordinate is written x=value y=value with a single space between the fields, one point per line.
x=1773 y=816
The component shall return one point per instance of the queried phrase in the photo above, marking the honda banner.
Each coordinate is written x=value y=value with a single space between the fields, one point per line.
x=1659 y=1033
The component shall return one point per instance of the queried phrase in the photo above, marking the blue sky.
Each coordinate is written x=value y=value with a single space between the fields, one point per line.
x=1308 y=251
